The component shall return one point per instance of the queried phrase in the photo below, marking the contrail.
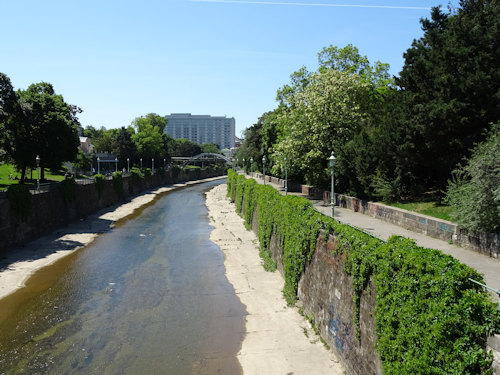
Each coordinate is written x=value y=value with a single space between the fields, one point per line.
x=309 y=4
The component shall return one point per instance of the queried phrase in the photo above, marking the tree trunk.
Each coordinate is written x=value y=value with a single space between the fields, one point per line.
x=23 y=174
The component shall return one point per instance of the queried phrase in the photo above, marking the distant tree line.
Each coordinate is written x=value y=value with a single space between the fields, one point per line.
x=394 y=138
x=38 y=122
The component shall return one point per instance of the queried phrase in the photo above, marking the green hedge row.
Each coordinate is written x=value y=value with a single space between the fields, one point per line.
x=430 y=318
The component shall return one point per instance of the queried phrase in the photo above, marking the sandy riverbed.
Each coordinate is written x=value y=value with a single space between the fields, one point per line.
x=21 y=263
x=278 y=339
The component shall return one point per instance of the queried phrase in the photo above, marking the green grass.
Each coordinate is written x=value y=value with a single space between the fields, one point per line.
x=9 y=169
x=434 y=209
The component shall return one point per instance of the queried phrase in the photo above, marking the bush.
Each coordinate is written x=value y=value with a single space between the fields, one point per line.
x=99 y=180
x=148 y=175
x=20 y=199
x=474 y=189
x=430 y=318
x=137 y=175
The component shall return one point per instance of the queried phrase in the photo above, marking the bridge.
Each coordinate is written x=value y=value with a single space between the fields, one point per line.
x=204 y=157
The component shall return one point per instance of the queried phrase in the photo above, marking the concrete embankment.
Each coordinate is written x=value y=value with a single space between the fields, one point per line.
x=278 y=339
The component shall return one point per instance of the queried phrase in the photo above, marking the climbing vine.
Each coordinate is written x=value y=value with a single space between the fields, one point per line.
x=20 y=199
x=99 y=180
x=430 y=318
x=67 y=188
x=118 y=183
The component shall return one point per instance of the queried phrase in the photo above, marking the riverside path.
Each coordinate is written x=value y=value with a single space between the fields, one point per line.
x=489 y=267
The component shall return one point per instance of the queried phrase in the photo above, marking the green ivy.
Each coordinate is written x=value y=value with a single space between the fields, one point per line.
x=20 y=199
x=99 y=180
x=176 y=170
x=196 y=169
x=67 y=188
x=161 y=172
x=137 y=175
x=430 y=319
x=118 y=183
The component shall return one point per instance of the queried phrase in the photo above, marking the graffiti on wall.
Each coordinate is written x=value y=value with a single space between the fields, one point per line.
x=334 y=327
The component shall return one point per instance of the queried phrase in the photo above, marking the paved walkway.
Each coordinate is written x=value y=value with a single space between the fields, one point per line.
x=489 y=267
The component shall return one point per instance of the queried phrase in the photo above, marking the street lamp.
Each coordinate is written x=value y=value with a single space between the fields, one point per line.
x=128 y=165
x=286 y=179
x=264 y=168
x=331 y=159
x=165 y=164
x=98 y=165
x=153 y=165
x=116 y=164
x=251 y=166
x=141 y=163
x=38 y=172
x=244 y=166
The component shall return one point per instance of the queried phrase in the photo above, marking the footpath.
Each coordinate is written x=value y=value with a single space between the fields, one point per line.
x=489 y=267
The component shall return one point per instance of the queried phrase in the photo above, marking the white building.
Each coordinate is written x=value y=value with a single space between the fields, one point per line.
x=202 y=128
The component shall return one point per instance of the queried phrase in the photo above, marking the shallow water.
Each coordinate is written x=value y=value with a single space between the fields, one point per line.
x=149 y=297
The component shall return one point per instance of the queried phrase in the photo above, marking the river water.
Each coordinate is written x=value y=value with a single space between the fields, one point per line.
x=148 y=297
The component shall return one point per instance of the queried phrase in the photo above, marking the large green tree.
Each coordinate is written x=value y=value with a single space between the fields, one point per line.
x=149 y=137
x=38 y=122
x=184 y=147
x=124 y=148
x=449 y=91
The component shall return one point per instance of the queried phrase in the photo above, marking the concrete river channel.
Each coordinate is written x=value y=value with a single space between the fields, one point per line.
x=148 y=297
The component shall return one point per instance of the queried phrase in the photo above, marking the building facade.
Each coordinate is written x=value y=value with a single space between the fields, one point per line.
x=202 y=128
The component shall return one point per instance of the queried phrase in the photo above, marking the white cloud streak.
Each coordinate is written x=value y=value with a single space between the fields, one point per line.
x=288 y=3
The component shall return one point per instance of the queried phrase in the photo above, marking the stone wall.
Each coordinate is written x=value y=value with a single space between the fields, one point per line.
x=50 y=211
x=325 y=292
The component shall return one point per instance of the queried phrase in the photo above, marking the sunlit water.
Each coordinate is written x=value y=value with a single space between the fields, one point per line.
x=149 y=297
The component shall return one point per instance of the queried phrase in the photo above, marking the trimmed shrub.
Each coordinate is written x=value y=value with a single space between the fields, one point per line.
x=118 y=183
x=68 y=189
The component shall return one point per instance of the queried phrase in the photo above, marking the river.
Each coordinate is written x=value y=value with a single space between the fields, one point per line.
x=148 y=297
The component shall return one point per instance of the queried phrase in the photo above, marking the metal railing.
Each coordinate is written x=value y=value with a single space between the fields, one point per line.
x=489 y=288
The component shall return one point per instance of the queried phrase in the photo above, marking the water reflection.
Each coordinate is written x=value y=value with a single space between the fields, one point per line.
x=149 y=297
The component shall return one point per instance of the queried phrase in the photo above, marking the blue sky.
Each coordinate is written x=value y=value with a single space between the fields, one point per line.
x=118 y=60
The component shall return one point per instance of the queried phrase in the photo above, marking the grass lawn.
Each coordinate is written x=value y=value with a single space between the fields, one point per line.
x=434 y=209
x=8 y=169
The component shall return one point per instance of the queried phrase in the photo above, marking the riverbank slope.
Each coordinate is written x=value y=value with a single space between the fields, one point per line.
x=278 y=339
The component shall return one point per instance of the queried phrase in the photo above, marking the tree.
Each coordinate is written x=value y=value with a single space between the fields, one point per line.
x=474 y=190
x=149 y=137
x=38 y=122
x=15 y=136
x=449 y=90
x=211 y=148
x=325 y=117
x=124 y=147
x=184 y=147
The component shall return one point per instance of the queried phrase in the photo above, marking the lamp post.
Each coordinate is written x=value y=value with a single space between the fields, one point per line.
x=98 y=165
x=286 y=179
x=165 y=164
x=38 y=172
x=153 y=165
x=116 y=164
x=251 y=166
x=244 y=166
x=264 y=168
x=331 y=159
x=128 y=165
x=141 y=163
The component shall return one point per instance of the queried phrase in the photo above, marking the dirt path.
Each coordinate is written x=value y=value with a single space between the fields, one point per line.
x=278 y=339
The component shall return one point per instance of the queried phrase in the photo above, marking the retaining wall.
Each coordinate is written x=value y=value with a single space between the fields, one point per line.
x=49 y=210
